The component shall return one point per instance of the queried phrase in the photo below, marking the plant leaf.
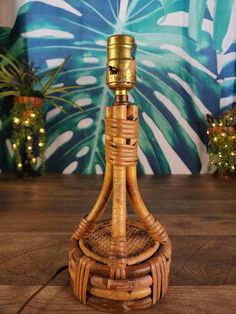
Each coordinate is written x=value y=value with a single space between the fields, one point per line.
x=10 y=62
x=62 y=99
x=61 y=89
x=9 y=93
x=56 y=106
x=53 y=77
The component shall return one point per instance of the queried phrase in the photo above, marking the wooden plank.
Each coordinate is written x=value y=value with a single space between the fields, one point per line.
x=197 y=260
x=184 y=300
x=185 y=205
x=167 y=188
x=54 y=221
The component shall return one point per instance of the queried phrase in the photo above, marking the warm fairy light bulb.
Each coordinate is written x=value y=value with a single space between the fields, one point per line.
x=231 y=118
x=213 y=124
x=33 y=160
x=207 y=132
x=233 y=137
x=40 y=144
x=215 y=139
x=29 y=137
x=26 y=122
x=14 y=145
x=223 y=134
x=16 y=120
x=221 y=124
x=232 y=153
x=29 y=147
x=232 y=167
x=226 y=164
x=226 y=145
x=41 y=130
x=33 y=115
x=19 y=165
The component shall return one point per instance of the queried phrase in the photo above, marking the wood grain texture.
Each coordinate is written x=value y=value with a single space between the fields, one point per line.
x=38 y=216
x=179 y=300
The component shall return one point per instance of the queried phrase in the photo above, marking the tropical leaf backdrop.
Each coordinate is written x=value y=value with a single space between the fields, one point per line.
x=185 y=69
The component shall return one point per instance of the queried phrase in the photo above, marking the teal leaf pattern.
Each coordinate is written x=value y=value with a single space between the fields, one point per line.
x=185 y=69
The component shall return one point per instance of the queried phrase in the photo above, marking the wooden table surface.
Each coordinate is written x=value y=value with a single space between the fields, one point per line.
x=38 y=215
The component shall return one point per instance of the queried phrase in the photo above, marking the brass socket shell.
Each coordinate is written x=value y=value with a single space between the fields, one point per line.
x=121 y=67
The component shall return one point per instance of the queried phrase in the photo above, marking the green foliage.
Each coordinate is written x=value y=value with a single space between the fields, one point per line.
x=222 y=147
x=20 y=78
x=28 y=137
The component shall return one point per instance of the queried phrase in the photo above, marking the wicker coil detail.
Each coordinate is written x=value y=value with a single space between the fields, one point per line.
x=145 y=284
x=98 y=241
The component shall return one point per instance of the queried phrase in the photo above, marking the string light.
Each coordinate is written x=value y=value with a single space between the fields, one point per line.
x=16 y=120
x=222 y=136
x=28 y=133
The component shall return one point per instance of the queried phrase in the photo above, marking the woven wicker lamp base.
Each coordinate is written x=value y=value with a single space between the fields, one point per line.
x=120 y=265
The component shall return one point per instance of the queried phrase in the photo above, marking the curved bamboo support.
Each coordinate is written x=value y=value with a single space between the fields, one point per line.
x=87 y=222
x=105 y=193
x=151 y=224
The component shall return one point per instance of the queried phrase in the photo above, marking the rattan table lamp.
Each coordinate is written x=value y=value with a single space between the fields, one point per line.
x=120 y=265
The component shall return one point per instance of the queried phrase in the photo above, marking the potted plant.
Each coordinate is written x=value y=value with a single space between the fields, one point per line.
x=30 y=90
x=222 y=143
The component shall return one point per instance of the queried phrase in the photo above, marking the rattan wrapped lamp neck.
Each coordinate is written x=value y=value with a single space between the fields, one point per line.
x=120 y=264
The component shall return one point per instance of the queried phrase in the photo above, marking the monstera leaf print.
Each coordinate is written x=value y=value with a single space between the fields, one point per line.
x=179 y=80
